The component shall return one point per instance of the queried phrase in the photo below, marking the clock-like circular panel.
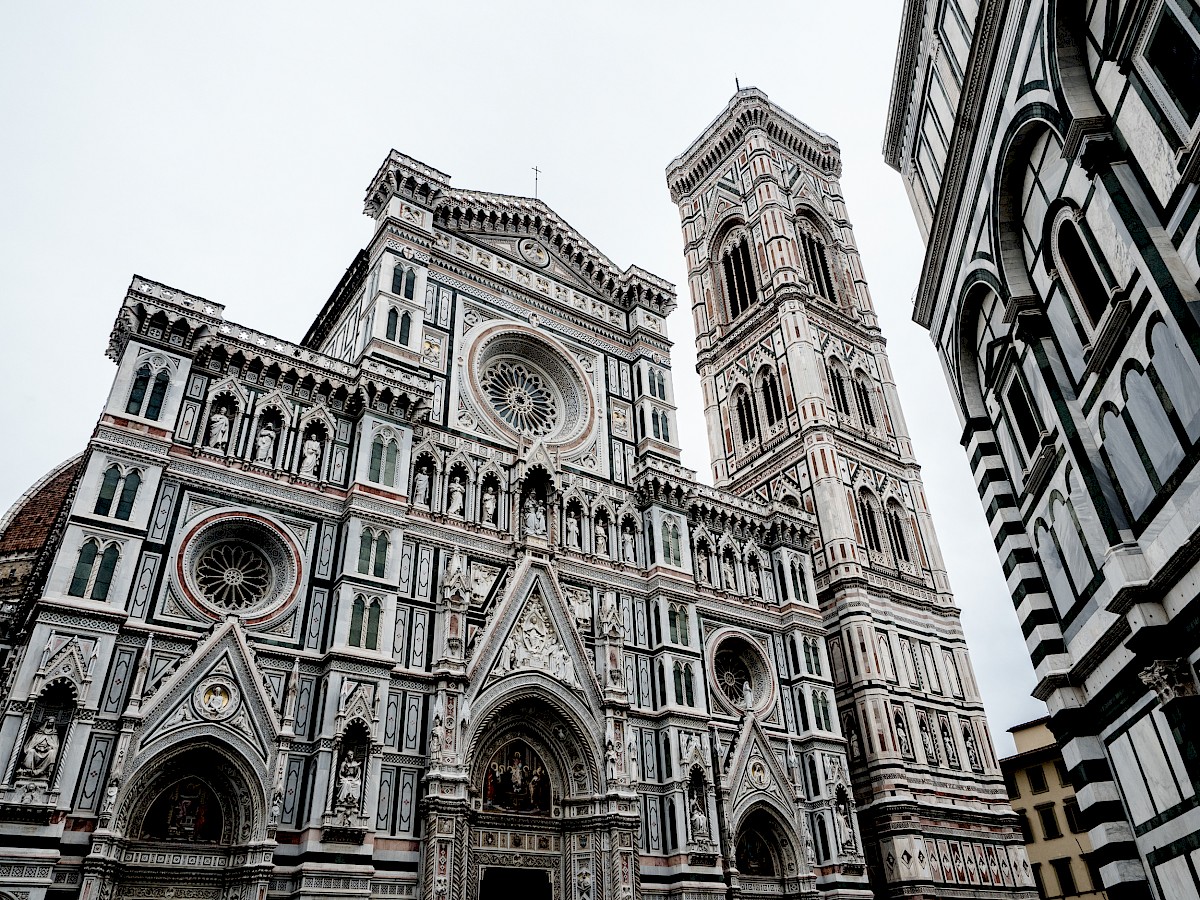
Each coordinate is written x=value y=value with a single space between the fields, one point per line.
x=527 y=385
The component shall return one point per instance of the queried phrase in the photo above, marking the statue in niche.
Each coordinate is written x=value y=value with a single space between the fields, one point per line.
x=572 y=529
x=699 y=822
x=628 y=546
x=948 y=741
x=728 y=574
x=310 y=456
x=747 y=695
x=421 y=486
x=755 y=584
x=972 y=749
x=489 y=505
x=902 y=734
x=264 y=444
x=931 y=754
x=349 y=783
x=457 y=493
x=610 y=761
x=535 y=516
x=702 y=564
x=845 y=815
x=581 y=605
x=631 y=750
x=41 y=752
x=435 y=738
x=601 y=537
x=218 y=429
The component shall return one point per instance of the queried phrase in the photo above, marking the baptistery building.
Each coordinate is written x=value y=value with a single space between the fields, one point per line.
x=1052 y=152
x=424 y=605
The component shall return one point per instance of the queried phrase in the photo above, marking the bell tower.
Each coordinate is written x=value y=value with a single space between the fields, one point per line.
x=802 y=409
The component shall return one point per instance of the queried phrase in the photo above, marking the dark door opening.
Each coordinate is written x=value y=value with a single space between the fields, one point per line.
x=503 y=883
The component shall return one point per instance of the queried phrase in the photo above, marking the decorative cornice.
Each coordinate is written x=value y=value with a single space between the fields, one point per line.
x=749 y=109
x=908 y=50
x=976 y=84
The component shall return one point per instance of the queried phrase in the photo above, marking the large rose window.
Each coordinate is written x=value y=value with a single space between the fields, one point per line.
x=522 y=396
x=741 y=673
x=238 y=563
x=525 y=384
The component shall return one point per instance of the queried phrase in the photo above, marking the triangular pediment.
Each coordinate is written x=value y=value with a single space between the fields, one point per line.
x=754 y=770
x=217 y=691
x=534 y=255
x=534 y=631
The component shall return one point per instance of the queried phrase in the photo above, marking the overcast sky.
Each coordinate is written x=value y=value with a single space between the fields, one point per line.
x=224 y=149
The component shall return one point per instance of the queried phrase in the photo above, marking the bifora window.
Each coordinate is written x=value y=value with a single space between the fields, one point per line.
x=738 y=275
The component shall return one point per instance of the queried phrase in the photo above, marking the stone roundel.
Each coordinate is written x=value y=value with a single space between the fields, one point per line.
x=238 y=563
x=735 y=661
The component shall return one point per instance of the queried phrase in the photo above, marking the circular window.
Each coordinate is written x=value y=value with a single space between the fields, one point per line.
x=739 y=669
x=528 y=386
x=238 y=563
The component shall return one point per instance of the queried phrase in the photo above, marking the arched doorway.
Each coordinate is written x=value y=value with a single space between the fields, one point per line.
x=535 y=826
x=196 y=807
x=765 y=851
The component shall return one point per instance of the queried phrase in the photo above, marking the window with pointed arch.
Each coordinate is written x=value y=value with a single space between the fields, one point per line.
x=768 y=389
x=897 y=530
x=743 y=408
x=373 y=553
x=821 y=714
x=404 y=282
x=836 y=374
x=864 y=397
x=737 y=276
x=119 y=485
x=868 y=516
x=385 y=450
x=1083 y=281
x=399 y=326
x=658 y=419
x=816 y=259
x=148 y=392
x=94 y=569
x=797 y=581
x=684 y=695
x=364 y=622
x=677 y=621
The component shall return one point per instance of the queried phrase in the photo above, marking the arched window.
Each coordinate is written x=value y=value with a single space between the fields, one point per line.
x=405 y=329
x=654 y=422
x=795 y=571
x=738 y=273
x=128 y=494
x=366 y=546
x=637 y=384
x=108 y=490
x=666 y=429
x=137 y=393
x=158 y=394
x=94 y=571
x=383 y=460
x=393 y=322
x=744 y=409
x=398 y=280
x=666 y=543
x=678 y=670
x=814 y=784
x=687 y=685
x=808 y=662
x=769 y=387
x=868 y=514
x=863 y=397
x=357 y=610
x=894 y=517
x=662 y=685
x=801 y=705
x=372 y=642
x=381 y=551
x=816 y=264
x=816 y=653
x=673 y=624
x=837 y=387
x=822 y=838
x=666 y=747
x=410 y=284
x=795 y=655
x=1024 y=418
x=1085 y=282
x=684 y=633
x=676 y=545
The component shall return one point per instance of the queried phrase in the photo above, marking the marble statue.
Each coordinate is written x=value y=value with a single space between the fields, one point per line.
x=489 y=505
x=601 y=538
x=573 y=530
x=349 y=783
x=699 y=822
x=457 y=493
x=421 y=486
x=972 y=749
x=610 y=762
x=218 y=429
x=264 y=444
x=728 y=574
x=535 y=516
x=435 y=738
x=702 y=565
x=755 y=584
x=628 y=547
x=310 y=456
x=41 y=752
x=747 y=695
x=902 y=735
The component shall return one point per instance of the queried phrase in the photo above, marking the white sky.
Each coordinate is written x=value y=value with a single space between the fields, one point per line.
x=224 y=149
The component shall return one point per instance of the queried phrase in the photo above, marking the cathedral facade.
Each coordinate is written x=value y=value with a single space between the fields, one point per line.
x=426 y=606
x=1051 y=152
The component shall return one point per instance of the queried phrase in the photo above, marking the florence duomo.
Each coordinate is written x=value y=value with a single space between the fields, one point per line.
x=425 y=604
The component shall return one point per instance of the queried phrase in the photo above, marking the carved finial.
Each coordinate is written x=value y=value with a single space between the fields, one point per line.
x=1170 y=678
